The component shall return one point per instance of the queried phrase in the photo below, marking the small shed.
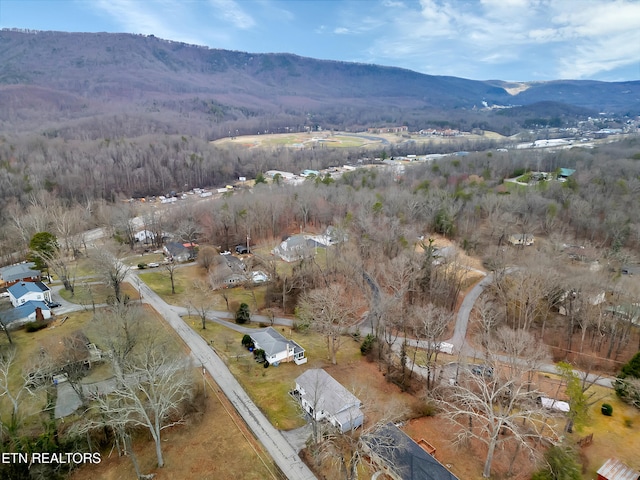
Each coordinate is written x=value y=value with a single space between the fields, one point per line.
x=614 y=469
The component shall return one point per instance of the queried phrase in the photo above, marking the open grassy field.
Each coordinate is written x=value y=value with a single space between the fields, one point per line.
x=341 y=139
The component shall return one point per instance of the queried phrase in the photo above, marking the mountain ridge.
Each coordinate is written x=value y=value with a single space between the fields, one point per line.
x=92 y=74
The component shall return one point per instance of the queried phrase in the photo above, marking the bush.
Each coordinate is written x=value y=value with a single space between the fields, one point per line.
x=606 y=409
x=259 y=355
x=562 y=463
x=426 y=409
x=367 y=344
x=247 y=342
x=243 y=315
x=34 y=326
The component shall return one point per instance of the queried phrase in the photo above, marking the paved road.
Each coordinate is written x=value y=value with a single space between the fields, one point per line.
x=284 y=455
x=460 y=345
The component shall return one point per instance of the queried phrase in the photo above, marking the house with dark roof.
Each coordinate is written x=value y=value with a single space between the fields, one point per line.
x=178 y=252
x=23 y=292
x=401 y=458
x=20 y=272
x=277 y=348
x=324 y=398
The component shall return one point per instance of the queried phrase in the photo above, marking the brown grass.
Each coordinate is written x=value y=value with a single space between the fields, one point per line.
x=214 y=445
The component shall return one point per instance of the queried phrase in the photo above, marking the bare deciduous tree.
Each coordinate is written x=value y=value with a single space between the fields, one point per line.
x=430 y=324
x=495 y=405
x=112 y=270
x=330 y=312
x=152 y=387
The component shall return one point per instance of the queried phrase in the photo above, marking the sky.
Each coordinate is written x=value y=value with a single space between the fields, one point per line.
x=513 y=40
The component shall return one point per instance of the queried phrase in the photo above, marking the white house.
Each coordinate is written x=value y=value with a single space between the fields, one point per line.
x=144 y=236
x=23 y=292
x=322 y=397
x=28 y=312
x=277 y=348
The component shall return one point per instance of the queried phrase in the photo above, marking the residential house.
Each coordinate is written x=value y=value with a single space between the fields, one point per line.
x=277 y=348
x=521 y=239
x=296 y=248
x=20 y=272
x=401 y=458
x=28 y=312
x=144 y=236
x=614 y=469
x=178 y=252
x=259 y=276
x=565 y=173
x=629 y=312
x=23 y=292
x=323 y=398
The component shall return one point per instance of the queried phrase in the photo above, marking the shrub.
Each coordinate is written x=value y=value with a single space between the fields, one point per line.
x=259 y=355
x=243 y=315
x=367 y=344
x=627 y=385
x=247 y=342
x=561 y=464
x=426 y=409
x=34 y=326
x=606 y=409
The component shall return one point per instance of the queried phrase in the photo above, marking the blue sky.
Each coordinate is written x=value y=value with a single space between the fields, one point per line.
x=515 y=40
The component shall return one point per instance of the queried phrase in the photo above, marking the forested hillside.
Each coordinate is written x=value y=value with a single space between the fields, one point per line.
x=99 y=85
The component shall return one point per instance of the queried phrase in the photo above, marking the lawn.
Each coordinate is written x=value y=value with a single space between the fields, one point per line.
x=188 y=294
x=96 y=293
x=28 y=346
x=269 y=387
x=616 y=435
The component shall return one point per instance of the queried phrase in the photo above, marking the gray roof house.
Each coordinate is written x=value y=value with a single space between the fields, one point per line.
x=296 y=247
x=401 y=458
x=177 y=252
x=20 y=272
x=277 y=348
x=324 y=398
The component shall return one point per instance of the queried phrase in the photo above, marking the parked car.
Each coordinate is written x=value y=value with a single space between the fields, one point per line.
x=153 y=265
x=53 y=304
x=482 y=370
x=242 y=249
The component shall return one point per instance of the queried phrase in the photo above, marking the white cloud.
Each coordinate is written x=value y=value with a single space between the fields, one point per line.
x=147 y=18
x=575 y=38
x=231 y=11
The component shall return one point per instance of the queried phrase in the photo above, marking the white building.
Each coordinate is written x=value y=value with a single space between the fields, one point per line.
x=324 y=398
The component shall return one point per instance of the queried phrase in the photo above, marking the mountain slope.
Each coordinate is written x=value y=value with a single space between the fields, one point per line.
x=81 y=76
